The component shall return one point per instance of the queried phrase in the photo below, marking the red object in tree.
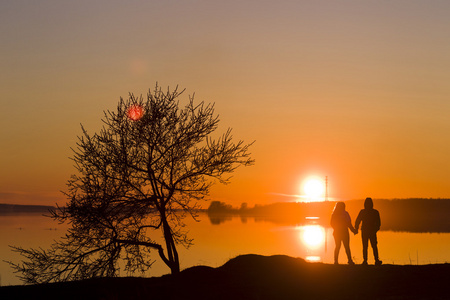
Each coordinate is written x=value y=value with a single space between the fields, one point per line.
x=135 y=112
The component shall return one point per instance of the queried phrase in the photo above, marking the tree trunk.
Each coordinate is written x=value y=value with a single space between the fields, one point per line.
x=172 y=253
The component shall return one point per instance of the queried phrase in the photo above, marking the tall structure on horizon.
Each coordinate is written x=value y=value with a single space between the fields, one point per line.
x=326 y=188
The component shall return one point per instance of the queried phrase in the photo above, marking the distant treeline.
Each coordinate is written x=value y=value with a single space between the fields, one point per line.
x=6 y=209
x=412 y=215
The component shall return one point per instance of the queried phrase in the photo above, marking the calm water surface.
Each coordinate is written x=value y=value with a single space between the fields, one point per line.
x=216 y=244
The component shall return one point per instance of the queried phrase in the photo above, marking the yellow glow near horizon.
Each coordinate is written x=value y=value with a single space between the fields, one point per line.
x=313 y=188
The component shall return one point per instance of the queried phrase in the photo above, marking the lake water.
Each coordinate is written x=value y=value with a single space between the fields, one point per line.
x=215 y=244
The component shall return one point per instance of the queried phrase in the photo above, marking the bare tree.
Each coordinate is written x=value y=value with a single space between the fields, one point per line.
x=143 y=173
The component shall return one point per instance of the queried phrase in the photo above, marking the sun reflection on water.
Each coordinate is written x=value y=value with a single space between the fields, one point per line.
x=313 y=240
x=313 y=236
x=313 y=258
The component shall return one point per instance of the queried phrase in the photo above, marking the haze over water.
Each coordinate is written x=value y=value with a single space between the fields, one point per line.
x=216 y=244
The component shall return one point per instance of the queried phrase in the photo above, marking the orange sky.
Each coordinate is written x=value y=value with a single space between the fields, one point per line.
x=354 y=90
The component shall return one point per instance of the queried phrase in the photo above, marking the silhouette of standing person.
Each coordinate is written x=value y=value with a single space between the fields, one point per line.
x=341 y=222
x=371 y=223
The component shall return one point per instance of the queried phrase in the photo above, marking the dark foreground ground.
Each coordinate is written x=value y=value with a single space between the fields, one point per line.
x=259 y=277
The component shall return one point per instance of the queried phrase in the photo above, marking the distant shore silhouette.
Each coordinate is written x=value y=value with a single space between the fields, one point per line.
x=17 y=208
x=409 y=215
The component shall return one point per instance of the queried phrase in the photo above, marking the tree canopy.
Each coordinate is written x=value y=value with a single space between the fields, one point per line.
x=136 y=181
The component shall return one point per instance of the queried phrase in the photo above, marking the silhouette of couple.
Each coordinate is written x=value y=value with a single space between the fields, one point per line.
x=341 y=222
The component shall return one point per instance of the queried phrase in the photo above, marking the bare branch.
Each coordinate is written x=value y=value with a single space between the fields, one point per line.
x=136 y=175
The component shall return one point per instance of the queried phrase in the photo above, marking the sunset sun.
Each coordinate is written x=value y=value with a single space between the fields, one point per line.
x=313 y=188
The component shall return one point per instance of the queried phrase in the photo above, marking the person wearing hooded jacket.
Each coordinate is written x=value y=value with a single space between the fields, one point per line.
x=371 y=222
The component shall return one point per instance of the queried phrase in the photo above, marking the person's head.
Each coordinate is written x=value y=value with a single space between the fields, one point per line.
x=339 y=207
x=368 y=203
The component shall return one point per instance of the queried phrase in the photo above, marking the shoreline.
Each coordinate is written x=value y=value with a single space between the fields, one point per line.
x=258 y=277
